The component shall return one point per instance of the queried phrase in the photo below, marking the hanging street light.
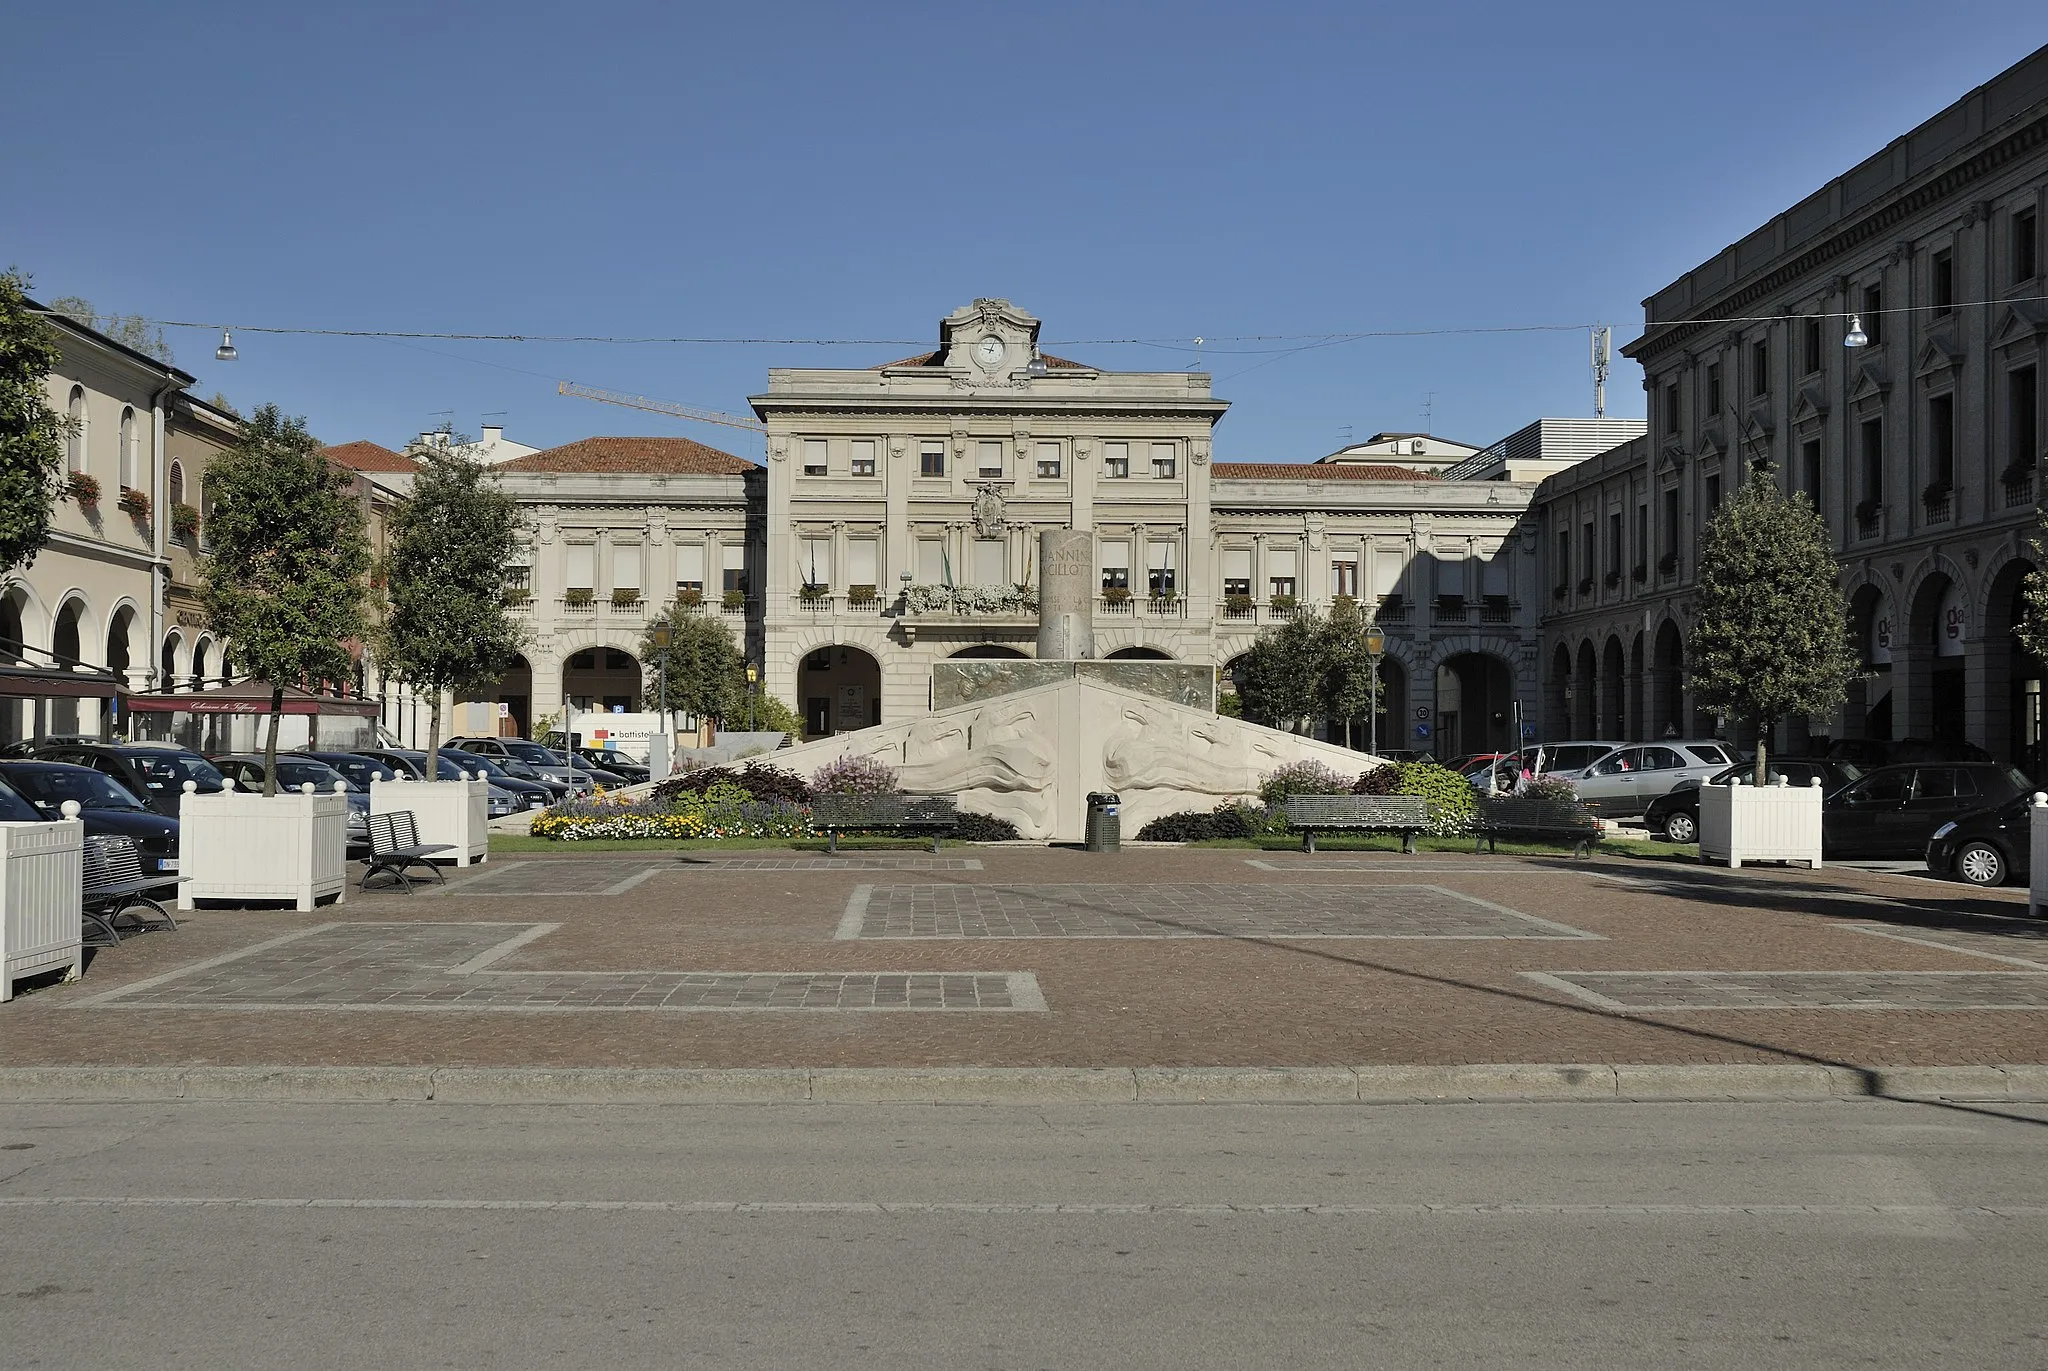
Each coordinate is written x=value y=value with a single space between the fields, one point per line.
x=1856 y=337
x=226 y=351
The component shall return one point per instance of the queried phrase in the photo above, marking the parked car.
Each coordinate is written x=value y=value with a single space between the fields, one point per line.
x=1569 y=758
x=1626 y=779
x=1895 y=810
x=618 y=763
x=596 y=775
x=106 y=806
x=1985 y=846
x=531 y=794
x=294 y=771
x=1871 y=753
x=29 y=747
x=155 y=773
x=547 y=767
x=413 y=765
x=357 y=769
x=1677 y=814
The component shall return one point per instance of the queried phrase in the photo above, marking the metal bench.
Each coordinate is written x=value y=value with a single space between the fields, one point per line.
x=1407 y=815
x=111 y=883
x=1529 y=816
x=933 y=814
x=395 y=845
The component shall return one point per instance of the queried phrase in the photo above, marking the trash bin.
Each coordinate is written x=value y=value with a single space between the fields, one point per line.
x=1105 y=829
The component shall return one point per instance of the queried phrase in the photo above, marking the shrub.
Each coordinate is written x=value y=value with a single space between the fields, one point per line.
x=756 y=781
x=855 y=775
x=732 y=599
x=83 y=487
x=1302 y=778
x=1282 y=602
x=1452 y=802
x=690 y=597
x=1551 y=788
x=1381 y=780
x=860 y=595
x=1238 y=604
x=578 y=596
x=1115 y=595
x=625 y=596
x=811 y=592
x=1228 y=820
x=984 y=828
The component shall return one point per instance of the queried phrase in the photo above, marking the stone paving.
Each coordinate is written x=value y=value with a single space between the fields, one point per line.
x=1153 y=957
x=1383 y=910
x=445 y=966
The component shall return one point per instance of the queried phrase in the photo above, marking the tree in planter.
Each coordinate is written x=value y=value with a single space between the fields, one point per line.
x=31 y=433
x=285 y=581
x=1771 y=637
x=1345 y=687
x=445 y=627
x=706 y=675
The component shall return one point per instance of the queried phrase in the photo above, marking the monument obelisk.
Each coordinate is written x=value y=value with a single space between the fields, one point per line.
x=1066 y=595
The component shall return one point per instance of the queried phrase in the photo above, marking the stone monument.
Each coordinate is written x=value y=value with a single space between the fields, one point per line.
x=1066 y=595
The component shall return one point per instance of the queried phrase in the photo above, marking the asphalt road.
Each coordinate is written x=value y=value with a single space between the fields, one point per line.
x=1597 y=1235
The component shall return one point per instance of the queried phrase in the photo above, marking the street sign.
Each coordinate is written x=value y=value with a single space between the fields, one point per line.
x=1528 y=733
x=1422 y=730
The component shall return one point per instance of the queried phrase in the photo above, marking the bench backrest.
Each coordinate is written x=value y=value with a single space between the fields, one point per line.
x=1535 y=811
x=884 y=809
x=110 y=863
x=392 y=832
x=1393 y=811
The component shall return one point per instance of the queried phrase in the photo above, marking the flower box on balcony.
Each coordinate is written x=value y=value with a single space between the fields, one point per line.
x=689 y=597
x=1613 y=580
x=1641 y=572
x=515 y=597
x=2017 y=473
x=733 y=600
x=242 y=845
x=1667 y=564
x=860 y=595
x=83 y=488
x=579 y=597
x=1936 y=493
x=1868 y=510
x=41 y=877
x=1116 y=595
x=625 y=597
x=812 y=592
x=1237 y=604
x=184 y=520
x=1586 y=585
x=133 y=503
x=1161 y=598
x=1558 y=592
x=1282 y=604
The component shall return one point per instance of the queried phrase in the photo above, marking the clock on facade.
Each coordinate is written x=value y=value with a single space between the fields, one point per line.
x=989 y=352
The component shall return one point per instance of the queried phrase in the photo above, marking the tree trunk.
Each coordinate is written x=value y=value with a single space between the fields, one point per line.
x=270 y=743
x=434 y=739
x=1763 y=736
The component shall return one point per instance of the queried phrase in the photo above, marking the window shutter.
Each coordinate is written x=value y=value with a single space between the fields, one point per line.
x=626 y=567
x=860 y=562
x=690 y=564
x=582 y=566
x=1237 y=564
x=991 y=562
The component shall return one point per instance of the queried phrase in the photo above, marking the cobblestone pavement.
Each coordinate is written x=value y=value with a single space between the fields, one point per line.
x=411 y=966
x=1383 y=910
x=1150 y=957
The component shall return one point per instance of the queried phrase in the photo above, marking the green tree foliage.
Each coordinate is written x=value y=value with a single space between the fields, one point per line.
x=2031 y=627
x=1279 y=682
x=1346 y=687
x=130 y=330
x=706 y=675
x=1771 y=638
x=31 y=433
x=284 y=583
x=445 y=627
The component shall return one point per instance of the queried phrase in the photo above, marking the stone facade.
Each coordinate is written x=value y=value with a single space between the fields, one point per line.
x=1921 y=449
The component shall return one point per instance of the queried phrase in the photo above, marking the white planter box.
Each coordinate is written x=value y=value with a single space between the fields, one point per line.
x=41 y=884
x=238 y=845
x=453 y=812
x=1772 y=823
x=2037 y=855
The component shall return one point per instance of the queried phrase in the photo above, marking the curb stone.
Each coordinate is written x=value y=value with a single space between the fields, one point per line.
x=1020 y=1085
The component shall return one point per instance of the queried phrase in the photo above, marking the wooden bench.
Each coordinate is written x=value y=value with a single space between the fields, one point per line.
x=1529 y=816
x=1407 y=815
x=111 y=883
x=395 y=845
x=933 y=814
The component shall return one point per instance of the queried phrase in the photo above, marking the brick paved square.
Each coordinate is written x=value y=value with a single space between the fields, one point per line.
x=848 y=861
x=448 y=966
x=1185 y=911
x=1662 y=991
x=550 y=878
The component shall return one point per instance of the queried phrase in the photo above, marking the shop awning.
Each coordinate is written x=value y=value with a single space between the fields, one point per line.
x=57 y=683
x=248 y=697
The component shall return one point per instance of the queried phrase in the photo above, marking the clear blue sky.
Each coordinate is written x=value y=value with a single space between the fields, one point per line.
x=832 y=170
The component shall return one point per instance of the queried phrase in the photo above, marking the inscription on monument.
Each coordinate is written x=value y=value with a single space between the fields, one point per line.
x=1066 y=596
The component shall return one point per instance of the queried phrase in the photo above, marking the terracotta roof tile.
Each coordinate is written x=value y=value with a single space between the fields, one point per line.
x=1316 y=471
x=363 y=455
x=659 y=456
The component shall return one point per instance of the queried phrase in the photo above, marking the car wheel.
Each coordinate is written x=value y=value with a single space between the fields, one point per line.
x=1682 y=827
x=1981 y=864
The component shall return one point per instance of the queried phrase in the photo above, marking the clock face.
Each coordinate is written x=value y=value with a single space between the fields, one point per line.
x=989 y=352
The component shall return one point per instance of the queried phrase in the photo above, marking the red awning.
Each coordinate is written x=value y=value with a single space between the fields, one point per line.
x=248 y=697
x=54 y=683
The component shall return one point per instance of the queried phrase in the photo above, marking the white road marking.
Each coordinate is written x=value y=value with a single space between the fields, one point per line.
x=856 y=914
x=502 y=950
x=1948 y=947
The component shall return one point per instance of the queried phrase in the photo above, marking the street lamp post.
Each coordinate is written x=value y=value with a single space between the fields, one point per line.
x=1375 y=643
x=753 y=698
x=660 y=637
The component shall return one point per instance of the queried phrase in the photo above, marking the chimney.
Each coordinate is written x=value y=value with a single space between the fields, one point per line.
x=493 y=435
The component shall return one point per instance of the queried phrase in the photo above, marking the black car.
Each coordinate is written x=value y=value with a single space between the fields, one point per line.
x=532 y=794
x=104 y=805
x=1985 y=846
x=155 y=773
x=1677 y=814
x=1895 y=810
x=357 y=769
x=411 y=765
x=617 y=763
x=527 y=760
x=294 y=771
x=1871 y=753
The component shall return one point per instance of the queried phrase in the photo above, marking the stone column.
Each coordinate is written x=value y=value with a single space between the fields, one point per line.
x=1066 y=595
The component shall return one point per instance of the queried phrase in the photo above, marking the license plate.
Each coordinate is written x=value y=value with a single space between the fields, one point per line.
x=536 y=804
x=167 y=864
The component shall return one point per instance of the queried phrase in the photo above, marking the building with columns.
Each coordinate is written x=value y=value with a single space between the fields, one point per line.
x=1921 y=448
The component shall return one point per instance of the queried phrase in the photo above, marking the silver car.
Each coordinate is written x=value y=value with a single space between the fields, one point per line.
x=1628 y=778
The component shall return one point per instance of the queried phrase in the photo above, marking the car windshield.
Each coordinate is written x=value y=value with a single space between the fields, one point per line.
x=529 y=752
x=50 y=788
x=322 y=776
x=14 y=809
x=2020 y=779
x=170 y=770
x=470 y=761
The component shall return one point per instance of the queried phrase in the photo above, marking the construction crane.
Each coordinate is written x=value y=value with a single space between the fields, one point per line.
x=670 y=407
